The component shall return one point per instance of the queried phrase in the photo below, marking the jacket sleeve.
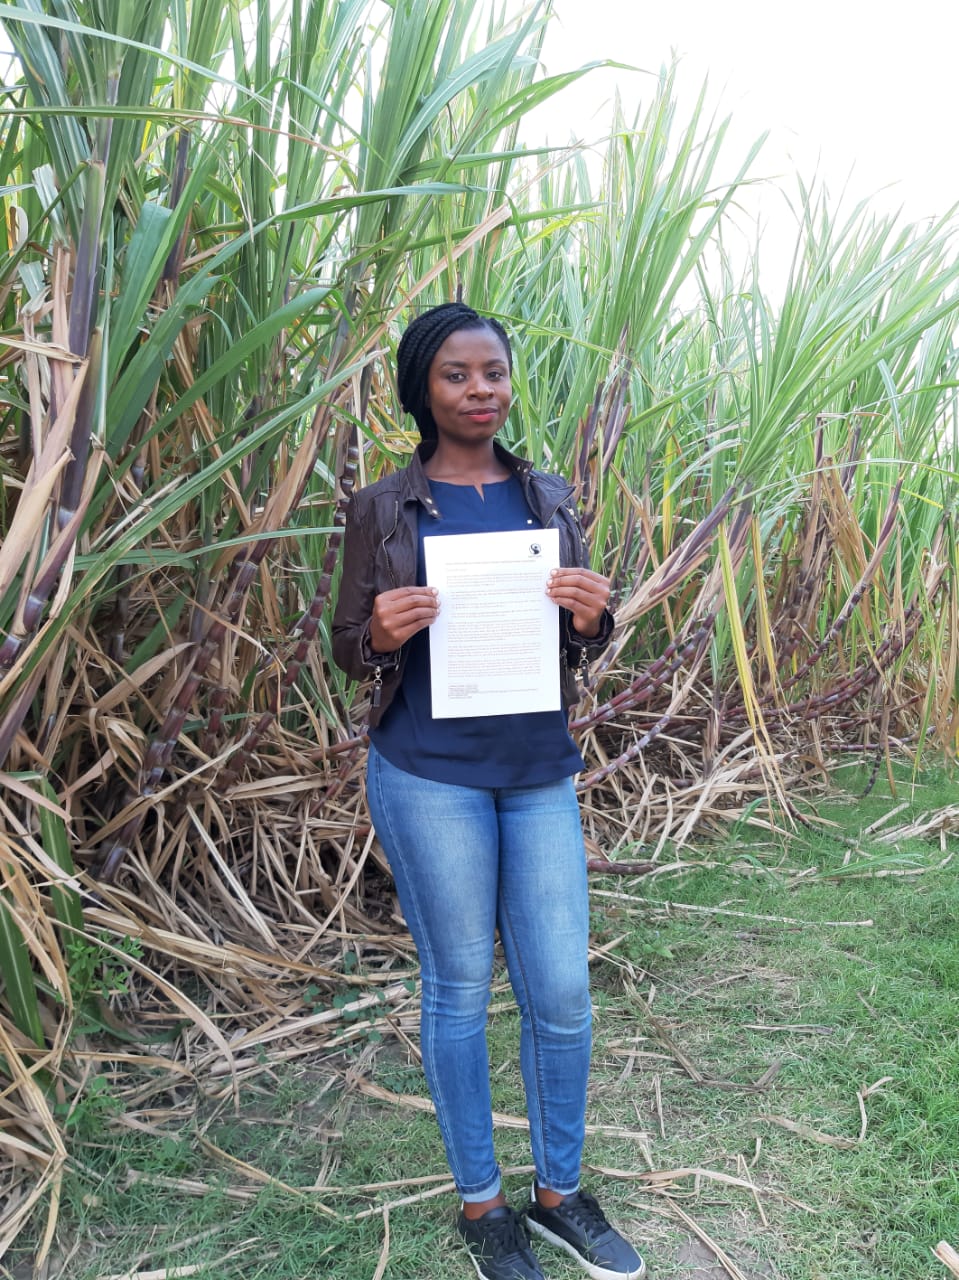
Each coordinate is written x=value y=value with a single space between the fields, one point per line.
x=573 y=642
x=352 y=650
x=594 y=645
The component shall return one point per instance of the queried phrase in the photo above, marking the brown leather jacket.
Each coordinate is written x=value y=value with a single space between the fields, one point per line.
x=379 y=554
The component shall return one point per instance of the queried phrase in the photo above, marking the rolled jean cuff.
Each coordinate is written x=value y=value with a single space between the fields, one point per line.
x=545 y=1185
x=484 y=1193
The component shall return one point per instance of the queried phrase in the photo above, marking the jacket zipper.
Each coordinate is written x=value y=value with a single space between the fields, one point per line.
x=383 y=548
x=377 y=686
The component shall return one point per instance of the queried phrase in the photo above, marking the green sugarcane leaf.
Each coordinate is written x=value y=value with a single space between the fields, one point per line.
x=18 y=976
x=56 y=843
x=152 y=239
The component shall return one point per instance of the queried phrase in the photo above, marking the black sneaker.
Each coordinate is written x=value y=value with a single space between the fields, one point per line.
x=579 y=1226
x=499 y=1246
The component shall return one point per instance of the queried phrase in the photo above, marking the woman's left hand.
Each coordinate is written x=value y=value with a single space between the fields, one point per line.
x=584 y=593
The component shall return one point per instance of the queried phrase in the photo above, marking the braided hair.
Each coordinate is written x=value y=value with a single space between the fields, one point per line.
x=419 y=344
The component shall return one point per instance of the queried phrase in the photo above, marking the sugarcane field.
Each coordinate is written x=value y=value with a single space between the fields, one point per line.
x=220 y=222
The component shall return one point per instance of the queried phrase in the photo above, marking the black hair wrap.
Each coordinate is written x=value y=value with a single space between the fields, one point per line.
x=419 y=344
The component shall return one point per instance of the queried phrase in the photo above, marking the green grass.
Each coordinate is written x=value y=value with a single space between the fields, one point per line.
x=873 y=1001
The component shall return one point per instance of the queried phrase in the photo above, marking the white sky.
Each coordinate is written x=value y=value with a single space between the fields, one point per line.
x=864 y=94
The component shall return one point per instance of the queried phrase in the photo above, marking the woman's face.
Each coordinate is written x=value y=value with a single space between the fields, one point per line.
x=468 y=386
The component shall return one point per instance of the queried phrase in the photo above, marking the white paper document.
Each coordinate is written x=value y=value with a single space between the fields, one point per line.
x=494 y=647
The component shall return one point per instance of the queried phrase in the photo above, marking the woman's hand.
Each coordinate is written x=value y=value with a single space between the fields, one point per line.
x=399 y=614
x=584 y=593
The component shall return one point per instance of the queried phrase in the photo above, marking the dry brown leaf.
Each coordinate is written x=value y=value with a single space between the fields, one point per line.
x=811 y=1134
x=500 y=1119
x=381 y=1266
x=947 y=1256
x=722 y=1257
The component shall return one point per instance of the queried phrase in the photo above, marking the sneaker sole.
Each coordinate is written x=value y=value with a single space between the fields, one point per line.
x=592 y=1270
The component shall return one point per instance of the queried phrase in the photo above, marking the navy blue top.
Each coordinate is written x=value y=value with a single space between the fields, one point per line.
x=472 y=751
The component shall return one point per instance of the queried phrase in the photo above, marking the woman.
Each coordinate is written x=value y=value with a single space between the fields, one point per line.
x=478 y=815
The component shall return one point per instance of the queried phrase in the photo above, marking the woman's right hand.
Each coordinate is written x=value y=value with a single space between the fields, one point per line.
x=399 y=614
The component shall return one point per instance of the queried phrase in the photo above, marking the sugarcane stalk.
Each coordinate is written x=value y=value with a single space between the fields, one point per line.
x=620 y=868
x=240 y=579
x=653 y=678
x=310 y=621
x=855 y=596
x=161 y=747
x=626 y=757
x=83 y=307
x=17 y=711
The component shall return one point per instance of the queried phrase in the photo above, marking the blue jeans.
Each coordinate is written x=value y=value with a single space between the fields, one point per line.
x=467 y=861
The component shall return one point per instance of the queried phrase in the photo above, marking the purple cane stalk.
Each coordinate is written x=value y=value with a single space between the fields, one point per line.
x=308 y=624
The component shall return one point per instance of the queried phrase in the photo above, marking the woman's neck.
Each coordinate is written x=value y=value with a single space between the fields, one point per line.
x=458 y=465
